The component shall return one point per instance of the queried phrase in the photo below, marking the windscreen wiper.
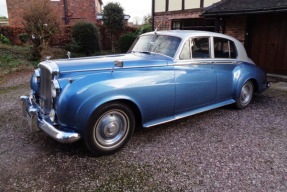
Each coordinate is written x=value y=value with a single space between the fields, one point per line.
x=145 y=52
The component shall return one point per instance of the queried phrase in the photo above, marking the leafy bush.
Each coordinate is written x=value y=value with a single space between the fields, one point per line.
x=23 y=37
x=114 y=20
x=41 y=22
x=85 y=38
x=126 y=41
x=144 y=29
x=4 y=40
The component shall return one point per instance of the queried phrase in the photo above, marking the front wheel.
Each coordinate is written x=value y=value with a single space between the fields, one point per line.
x=245 y=95
x=109 y=128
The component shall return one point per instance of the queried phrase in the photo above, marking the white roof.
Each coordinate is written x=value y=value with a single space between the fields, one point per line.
x=184 y=34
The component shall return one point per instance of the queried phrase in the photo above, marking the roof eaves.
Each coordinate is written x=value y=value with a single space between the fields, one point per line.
x=222 y=2
x=244 y=12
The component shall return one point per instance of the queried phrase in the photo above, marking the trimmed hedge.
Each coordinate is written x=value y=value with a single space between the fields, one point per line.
x=126 y=41
x=85 y=38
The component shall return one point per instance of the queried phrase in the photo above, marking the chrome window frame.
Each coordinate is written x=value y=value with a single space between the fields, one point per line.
x=212 y=59
x=236 y=51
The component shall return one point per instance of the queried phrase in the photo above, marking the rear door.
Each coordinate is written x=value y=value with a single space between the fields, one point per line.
x=225 y=62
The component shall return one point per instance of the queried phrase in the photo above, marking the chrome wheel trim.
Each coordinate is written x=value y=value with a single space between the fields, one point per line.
x=111 y=128
x=246 y=93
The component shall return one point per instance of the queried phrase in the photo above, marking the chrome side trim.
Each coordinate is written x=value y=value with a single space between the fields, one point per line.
x=146 y=66
x=207 y=62
x=194 y=63
x=106 y=69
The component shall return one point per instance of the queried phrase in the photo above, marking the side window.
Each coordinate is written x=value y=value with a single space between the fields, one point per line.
x=200 y=47
x=224 y=48
x=185 y=53
x=233 y=51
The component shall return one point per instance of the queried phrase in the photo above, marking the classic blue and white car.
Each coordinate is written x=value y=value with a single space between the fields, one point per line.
x=165 y=76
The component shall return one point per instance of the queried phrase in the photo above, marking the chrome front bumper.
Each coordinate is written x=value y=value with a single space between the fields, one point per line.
x=32 y=114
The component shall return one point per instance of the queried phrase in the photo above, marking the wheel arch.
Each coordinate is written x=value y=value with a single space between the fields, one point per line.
x=255 y=84
x=242 y=81
x=132 y=106
x=127 y=102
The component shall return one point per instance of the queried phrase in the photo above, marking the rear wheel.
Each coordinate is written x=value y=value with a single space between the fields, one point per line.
x=109 y=128
x=245 y=95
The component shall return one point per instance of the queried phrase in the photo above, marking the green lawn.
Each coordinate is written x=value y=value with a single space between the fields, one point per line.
x=16 y=58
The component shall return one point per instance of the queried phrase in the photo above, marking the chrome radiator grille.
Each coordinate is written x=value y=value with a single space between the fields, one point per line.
x=45 y=90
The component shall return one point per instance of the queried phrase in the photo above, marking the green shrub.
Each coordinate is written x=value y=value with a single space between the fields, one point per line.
x=126 y=41
x=23 y=37
x=85 y=38
x=144 y=29
x=4 y=40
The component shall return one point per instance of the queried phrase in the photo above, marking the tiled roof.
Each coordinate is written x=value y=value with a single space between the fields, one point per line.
x=225 y=7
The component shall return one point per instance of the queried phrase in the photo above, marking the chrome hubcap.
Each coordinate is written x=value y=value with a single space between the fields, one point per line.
x=246 y=92
x=111 y=128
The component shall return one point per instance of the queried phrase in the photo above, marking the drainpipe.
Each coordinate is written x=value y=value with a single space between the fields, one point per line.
x=66 y=12
x=152 y=13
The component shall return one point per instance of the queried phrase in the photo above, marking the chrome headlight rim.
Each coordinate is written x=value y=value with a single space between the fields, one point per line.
x=37 y=74
x=55 y=88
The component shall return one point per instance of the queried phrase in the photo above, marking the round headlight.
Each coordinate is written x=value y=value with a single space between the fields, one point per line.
x=55 y=88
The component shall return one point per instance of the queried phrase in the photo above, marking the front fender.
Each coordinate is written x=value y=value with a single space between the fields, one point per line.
x=152 y=91
x=76 y=94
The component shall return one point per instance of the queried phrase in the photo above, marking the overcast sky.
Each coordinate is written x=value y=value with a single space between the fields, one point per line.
x=137 y=9
x=3 y=9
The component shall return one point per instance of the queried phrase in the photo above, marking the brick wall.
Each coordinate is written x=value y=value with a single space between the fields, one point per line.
x=166 y=22
x=235 y=26
x=77 y=10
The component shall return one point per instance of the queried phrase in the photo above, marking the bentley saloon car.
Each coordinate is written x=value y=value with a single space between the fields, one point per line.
x=165 y=76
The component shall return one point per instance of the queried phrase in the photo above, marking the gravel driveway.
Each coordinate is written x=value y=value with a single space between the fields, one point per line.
x=220 y=150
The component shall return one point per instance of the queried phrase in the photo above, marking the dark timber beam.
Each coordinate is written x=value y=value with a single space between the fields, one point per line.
x=152 y=13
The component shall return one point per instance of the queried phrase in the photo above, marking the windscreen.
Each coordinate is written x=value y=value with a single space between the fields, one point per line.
x=161 y=44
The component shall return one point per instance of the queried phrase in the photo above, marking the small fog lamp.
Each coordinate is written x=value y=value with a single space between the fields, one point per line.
x=52 y=115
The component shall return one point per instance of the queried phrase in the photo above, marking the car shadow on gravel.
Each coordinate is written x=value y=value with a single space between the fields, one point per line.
x=148 y=135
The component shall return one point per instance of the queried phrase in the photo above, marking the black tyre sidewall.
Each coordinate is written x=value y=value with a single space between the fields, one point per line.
x=89 y=131
x=238 y=103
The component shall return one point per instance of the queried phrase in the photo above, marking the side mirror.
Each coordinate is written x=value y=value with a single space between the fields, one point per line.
x=119 y=63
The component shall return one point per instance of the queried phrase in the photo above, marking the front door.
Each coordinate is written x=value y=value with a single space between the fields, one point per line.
x=195 y=78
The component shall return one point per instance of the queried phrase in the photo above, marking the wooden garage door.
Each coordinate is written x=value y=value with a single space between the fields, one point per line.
x=268 y=42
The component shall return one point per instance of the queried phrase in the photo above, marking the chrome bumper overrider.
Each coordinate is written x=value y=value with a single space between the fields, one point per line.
x=32 y=114
x=268 y=84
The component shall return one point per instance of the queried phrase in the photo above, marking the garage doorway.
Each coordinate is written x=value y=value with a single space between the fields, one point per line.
x=267 y=45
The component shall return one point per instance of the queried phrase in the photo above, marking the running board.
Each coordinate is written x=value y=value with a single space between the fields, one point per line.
x=188 y=113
